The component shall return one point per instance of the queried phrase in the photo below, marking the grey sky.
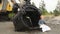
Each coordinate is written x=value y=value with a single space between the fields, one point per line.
x=50 y=4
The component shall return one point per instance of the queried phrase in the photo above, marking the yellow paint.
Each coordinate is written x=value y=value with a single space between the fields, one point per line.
x=0 y=6
x=9 y=8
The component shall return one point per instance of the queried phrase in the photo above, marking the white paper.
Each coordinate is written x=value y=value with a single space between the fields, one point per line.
x=45 y=27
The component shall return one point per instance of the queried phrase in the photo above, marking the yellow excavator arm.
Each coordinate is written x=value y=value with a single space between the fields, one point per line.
x=0 y=6
x=9 y=8
x=6 y=7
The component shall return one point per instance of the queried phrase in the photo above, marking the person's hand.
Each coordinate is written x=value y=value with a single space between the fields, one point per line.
x=42 y=17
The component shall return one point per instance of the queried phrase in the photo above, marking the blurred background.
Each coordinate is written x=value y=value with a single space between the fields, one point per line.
x=50 y=10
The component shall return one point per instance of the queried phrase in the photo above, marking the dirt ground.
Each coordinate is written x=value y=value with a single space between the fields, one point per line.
x=8 y=28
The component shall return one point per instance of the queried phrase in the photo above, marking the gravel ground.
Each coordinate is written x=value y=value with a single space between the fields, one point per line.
x=55 y=20
x=8 y=28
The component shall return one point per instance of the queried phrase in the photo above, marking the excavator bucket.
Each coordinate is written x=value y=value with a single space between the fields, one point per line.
x=27 y=18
